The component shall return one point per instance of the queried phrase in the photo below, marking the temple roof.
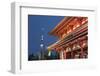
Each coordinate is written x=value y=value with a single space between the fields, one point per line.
x=60 y=25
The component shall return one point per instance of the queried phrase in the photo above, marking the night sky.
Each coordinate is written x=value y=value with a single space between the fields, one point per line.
x=40 y=25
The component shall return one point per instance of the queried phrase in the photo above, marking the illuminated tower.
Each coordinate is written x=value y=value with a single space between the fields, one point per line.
x=42 y=46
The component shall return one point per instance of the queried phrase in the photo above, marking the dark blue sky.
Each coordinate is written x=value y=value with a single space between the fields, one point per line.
x=38 y=25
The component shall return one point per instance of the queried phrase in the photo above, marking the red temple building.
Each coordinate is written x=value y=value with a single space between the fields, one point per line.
x=72 y=33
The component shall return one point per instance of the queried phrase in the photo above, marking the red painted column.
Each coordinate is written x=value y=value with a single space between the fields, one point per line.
x=82 y=51
x=64 y=54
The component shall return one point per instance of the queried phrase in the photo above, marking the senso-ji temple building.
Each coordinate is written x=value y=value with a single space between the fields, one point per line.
x=72 y=33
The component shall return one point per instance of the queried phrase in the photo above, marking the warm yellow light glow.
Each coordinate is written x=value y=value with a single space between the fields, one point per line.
x=64 y=35
x=78 y=25
x=49 y=53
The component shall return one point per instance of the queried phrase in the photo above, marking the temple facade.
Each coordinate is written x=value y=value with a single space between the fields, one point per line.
x=72 y=33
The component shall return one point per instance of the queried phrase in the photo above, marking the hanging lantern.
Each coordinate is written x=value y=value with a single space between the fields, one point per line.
x=78 y=47
x=84 y=44
x=74 y=47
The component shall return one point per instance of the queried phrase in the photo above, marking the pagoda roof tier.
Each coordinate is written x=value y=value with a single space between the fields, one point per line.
x=78 y=33
x=61 y=25
x=65 y=23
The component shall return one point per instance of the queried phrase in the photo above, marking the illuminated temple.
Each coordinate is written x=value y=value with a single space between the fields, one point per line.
x=72 y=34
